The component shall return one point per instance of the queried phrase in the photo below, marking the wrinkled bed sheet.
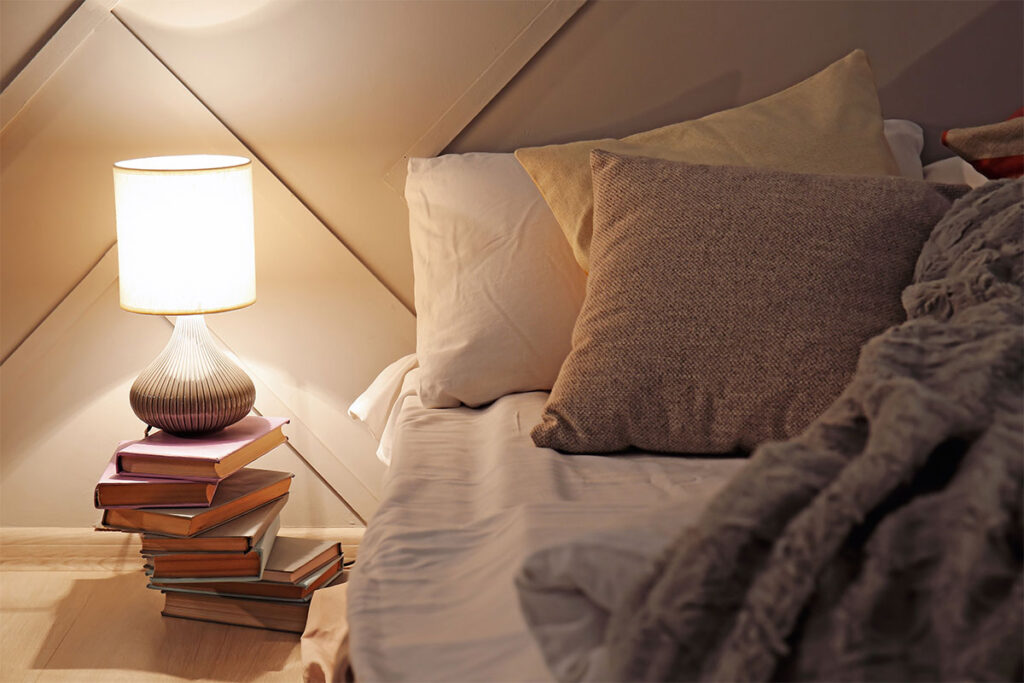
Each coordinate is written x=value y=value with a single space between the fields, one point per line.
x=467 y=499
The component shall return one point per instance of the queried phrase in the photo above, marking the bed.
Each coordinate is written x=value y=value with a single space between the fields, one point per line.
x=469 y=495
x=610 y=460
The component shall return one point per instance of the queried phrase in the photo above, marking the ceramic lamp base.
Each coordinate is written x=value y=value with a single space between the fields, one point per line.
x=192 y=387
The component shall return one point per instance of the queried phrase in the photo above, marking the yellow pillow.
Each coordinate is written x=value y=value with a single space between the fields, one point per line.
x=829 y=123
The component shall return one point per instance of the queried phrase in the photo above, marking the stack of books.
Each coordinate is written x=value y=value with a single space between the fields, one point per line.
x=209 y=526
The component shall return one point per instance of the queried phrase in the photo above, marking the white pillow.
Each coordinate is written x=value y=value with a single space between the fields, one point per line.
x=373 y=407
x=497 y=288
x=906 y=140
x=954 y=171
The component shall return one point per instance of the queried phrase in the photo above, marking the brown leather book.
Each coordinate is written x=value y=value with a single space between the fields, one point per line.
x=243 y=491
x=189 y=567
x=264 y=589
x=268 y=614
x=240 y=535
x=132 y=490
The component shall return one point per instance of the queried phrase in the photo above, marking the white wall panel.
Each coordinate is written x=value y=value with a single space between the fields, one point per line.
x=623 y=67
x=66 y=406
x=110 y=101
x=331 y=94
x=320 y=330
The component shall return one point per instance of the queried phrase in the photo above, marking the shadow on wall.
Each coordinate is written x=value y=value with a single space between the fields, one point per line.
x=617 y=68
x=957 y=66
x=722 y=88
x=17 y=67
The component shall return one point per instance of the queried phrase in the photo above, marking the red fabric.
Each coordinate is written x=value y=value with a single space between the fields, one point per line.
x=1011 y=166
x=1000 y=167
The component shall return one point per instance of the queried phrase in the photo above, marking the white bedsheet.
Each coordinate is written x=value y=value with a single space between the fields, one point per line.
x=468 y=498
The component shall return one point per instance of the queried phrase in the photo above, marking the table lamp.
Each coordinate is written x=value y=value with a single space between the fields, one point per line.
x=186 y=248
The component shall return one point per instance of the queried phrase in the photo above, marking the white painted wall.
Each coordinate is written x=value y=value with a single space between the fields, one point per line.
x=323 y=324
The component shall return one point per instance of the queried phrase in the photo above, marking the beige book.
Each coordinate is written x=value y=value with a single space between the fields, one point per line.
x=295 y=558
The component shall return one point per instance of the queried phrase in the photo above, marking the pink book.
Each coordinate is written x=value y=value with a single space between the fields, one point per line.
x=133 y=491
x=207 y=458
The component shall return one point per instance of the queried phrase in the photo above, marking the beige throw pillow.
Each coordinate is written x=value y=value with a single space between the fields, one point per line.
x=829 y=123
x=727 y=305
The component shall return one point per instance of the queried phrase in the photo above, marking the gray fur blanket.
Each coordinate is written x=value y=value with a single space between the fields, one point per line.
x=885 y=542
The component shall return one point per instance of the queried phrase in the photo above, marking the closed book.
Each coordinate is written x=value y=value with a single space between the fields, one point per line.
x=131 y=490
x=296 y=558
x=209 y=457
x=269 y=614
x=191 y=567
x=301 y=591
x=241 y=492
x=239 y=535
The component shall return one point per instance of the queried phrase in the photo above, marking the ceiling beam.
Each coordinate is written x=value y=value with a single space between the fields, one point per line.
x=52 y=56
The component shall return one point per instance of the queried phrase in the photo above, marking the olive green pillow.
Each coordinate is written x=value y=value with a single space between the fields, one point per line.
x=829 y=123
x=727 y=305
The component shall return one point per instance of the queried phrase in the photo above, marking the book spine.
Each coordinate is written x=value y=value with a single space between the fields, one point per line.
x=231 y=620
x=183 y=588
x=132 y=470
x=149 y=506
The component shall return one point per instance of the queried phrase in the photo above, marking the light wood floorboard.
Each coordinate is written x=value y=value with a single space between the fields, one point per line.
x=74 y=607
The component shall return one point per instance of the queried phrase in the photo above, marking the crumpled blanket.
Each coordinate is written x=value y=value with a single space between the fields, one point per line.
x=885 y=542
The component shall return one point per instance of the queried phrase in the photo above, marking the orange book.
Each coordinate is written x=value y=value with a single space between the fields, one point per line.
x=129 y=490
x=240 y=535
x=236 y=495
x=191 y=567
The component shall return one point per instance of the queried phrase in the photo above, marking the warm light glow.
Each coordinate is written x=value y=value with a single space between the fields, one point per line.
x=185 y=234
x=195 y=14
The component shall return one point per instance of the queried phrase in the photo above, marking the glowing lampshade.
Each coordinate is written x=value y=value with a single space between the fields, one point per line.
x=186 y=248
x=185 y=234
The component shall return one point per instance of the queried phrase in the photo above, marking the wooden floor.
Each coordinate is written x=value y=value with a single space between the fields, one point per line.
x=74 y=607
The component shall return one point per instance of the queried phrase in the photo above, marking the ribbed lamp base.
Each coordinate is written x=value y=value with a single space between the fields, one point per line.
x=192 y=388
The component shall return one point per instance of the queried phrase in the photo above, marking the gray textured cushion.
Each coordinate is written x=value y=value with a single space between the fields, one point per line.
x=726 y=305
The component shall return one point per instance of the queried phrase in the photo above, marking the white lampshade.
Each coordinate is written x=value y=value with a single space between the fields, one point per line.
x=185 y=234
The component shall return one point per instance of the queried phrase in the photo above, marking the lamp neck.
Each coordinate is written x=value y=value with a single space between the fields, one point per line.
x=192 y=328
